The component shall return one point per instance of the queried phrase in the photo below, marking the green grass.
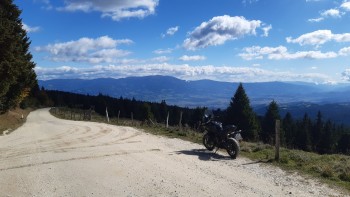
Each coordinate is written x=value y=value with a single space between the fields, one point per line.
x=331 y=169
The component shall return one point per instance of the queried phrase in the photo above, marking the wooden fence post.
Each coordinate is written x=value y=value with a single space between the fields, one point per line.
x=277 y=140
x=107 y=115
x=180 y=122
x=167 y=121
x=118 y=117
x=132 y=118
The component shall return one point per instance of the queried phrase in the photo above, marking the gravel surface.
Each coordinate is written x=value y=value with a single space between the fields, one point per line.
x=52 y=157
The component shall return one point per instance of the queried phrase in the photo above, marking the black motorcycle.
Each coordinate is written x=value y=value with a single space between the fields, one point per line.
x=226 y=138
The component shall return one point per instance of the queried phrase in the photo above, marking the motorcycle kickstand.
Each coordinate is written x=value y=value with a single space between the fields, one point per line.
x=216 y=150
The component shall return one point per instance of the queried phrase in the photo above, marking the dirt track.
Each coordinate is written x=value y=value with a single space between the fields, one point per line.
x=52 y=157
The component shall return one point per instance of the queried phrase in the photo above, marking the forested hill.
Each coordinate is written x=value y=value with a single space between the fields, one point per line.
x=202 y=92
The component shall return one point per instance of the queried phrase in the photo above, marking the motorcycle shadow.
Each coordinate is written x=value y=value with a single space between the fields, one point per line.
x=204 y=154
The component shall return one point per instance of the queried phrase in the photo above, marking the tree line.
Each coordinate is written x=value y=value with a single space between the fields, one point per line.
x=319 y=135
x=129 y=108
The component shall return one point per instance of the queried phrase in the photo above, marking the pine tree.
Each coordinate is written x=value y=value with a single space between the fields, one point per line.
x=302 y=140
x=317 y=131
x=242 y=115
x=289 y=129
x=268 y=126
x=16 y=67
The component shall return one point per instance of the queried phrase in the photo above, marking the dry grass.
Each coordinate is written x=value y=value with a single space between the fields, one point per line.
x=12 y=119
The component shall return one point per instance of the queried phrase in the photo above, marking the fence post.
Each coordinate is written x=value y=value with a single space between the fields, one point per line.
x=132 y=118
x=167 y=121
x=107 y=115
x=277 y=140
x=180 y=122
x=118 y=117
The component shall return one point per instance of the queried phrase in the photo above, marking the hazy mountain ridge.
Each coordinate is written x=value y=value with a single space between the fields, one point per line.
x=295 y=97
x=202 y=92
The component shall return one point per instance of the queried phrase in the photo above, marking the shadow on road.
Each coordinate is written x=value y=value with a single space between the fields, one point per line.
x=204 y=154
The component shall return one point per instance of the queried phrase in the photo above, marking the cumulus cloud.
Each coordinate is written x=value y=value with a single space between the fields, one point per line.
x=335 y=13
x=344 y=51
x=183 y=71
x=192 y=58
x=319 y=37
x=266 y=30
x=30 y=29
x=171 y=31
x=281 y=53
x=220 y=29
x=102 y=49
x=116 y=10
x=345 y=5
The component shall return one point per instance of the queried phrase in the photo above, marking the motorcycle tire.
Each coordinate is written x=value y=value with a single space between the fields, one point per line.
x=232 y=148
x=208 y=142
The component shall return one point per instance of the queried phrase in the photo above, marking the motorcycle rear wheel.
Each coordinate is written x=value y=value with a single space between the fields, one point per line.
x=232 y=148
x=208 y=142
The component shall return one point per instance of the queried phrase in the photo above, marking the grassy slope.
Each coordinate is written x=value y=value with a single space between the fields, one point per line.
x=12 y=119
x=332 y=169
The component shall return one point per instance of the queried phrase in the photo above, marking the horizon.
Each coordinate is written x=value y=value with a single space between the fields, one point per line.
x=234 y=41
x=290 y=82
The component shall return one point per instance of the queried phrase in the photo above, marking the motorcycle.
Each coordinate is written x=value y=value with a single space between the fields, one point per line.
x=215 y=135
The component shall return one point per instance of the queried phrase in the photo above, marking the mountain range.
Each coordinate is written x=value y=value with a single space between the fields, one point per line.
x=299 y=97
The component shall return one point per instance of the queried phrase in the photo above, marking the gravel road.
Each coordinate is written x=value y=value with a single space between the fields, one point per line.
x=52 y=157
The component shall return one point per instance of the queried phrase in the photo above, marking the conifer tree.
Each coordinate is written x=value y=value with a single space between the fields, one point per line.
x=268 y=126
x=317 y=131
x=241 y=114
x=16 y=66
x=289 y=129
x=302 y=140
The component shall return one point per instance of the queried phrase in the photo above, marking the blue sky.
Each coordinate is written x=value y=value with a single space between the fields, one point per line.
x=223 y=40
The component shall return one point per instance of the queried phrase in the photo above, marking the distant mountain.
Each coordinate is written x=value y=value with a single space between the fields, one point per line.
x=297 y=98
x=202 y=92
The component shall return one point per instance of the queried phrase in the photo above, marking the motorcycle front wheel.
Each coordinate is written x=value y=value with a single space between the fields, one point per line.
x=232 y=148
x=208 y=142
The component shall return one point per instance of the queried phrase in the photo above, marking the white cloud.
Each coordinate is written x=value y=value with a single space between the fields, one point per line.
x=281 y=53
x=117 y=10
x=266 y=30
x=346 y=75
x=245 y=2
x=30 y=29
x=335 y=13
x=192 y=58
x=183 y=71
x=344 y=51
x=319 y=37
x=160 y=59
x=102 y=49
x=220 y=29
x=345 y=5
x=171 y=31
x=163 y=51
x=316 y=20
